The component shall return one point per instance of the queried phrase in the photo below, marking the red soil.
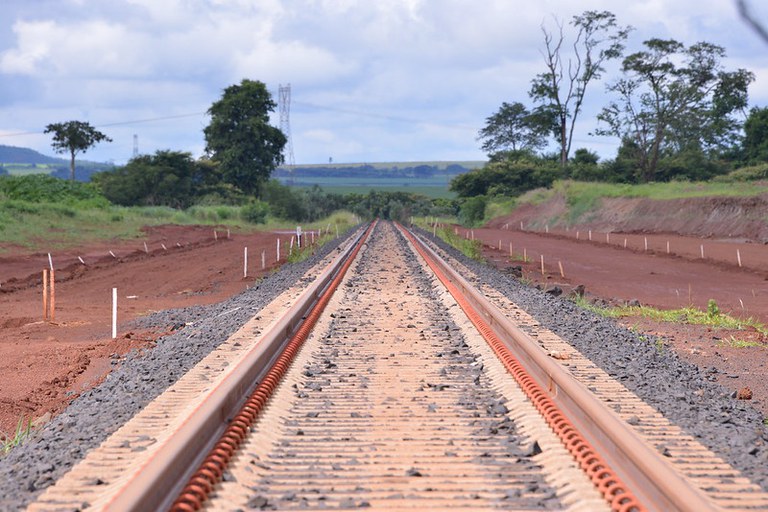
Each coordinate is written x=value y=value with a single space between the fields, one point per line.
x=681 y=278
x=46 y=364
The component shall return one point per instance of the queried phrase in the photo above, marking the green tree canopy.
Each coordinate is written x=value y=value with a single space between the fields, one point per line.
x=240 y=139
x=675 y=99
x=74 y=137
x=167 y=178
x=514 y=128
x=755 y=144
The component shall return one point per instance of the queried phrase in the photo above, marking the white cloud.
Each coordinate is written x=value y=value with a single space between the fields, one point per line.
x=414 y=78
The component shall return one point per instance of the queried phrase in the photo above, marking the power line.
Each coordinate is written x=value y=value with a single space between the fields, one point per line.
x=120 y=123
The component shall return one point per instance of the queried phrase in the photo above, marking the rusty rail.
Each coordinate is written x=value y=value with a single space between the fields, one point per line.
x=645 y=474
x=157 y=484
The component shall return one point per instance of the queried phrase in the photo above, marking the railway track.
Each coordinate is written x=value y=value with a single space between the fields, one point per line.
x=399 y=396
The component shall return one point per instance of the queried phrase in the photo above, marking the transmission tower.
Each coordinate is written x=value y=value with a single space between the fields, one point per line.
x=284 y=103
x=135 y=145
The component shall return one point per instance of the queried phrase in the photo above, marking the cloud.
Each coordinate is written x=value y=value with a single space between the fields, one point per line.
x=415 y=78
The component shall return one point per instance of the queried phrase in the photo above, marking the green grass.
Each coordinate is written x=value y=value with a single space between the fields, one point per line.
x=739 y=343
x=23 y=431
x=49 y=226
x=585 y=197
x=469 y=248
x=713 y=317
x=26 y=169
x=341 y=186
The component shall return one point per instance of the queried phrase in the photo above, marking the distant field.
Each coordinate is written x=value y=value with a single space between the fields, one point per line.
x=24 y=169
x=469 y=164
x=434 y=187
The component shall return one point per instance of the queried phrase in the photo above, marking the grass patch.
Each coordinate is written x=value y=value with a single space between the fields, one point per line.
x=585 y=197
x=51 y=226
x=469 y=248
x=23 y=431
x=739 y=343
x=713 y=317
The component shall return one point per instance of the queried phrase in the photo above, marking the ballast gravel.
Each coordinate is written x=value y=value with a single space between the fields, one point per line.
x=684 y=393
x=140 y=377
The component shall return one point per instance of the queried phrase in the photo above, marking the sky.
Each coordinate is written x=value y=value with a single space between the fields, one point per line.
x=370 y=81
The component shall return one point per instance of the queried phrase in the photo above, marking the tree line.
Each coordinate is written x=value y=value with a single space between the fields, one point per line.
x=675 y=109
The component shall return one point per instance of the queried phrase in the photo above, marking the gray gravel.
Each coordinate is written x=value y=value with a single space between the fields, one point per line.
x=141 y=376
x=684 y=393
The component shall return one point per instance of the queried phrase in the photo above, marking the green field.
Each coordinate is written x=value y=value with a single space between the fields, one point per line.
x=25 y=169
x=433 y=187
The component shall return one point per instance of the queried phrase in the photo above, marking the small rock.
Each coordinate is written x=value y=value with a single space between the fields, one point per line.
x=744 y=394
x=413 y=472
x=258 y=502
x=555 y=291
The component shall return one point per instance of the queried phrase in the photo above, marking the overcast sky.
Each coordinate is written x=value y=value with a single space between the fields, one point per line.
x=371 y=81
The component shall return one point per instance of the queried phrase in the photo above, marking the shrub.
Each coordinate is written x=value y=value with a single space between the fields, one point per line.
x=255 y=213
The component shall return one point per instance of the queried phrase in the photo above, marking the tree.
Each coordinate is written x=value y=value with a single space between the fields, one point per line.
x=240 y=139
x=513 y=128
x=74 y=137
x=755 y=144
x=167 y=178
x=560 y=91
x=674 y=99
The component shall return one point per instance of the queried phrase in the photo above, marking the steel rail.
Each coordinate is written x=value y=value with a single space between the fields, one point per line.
x=156 y=484
x=647 y=475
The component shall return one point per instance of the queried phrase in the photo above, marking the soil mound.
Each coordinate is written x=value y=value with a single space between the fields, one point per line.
x=743 y=218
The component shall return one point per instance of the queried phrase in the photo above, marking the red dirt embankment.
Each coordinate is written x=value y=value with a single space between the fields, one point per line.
x=744 y=218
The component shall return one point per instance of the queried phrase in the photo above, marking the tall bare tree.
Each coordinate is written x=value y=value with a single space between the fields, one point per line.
x=560 y=90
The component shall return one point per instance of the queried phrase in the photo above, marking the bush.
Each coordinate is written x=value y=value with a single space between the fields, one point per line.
x=41 y=188
x=472 y=211
x=255 y=213
x=751 y=173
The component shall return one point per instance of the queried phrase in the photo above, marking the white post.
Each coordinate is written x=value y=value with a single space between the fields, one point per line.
x=114 y=313
x=245 y=261
x=164 y=247
x=521 y=225
x=510 y=249
x=546 y=228
x=113 y=254
x=215 y=235
x=702 y=251
x=607 y=238
x=590 y=235
x=278 y=250
x=263 y=260
x=542 y=264
x=146 y=249
x=625 y=243
x=646 y=242
x=298 y=237
x=738 y=256
x=81 y=260
x=227 y=233
x=50 y=261
x=577 y=234
x=667 y=246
